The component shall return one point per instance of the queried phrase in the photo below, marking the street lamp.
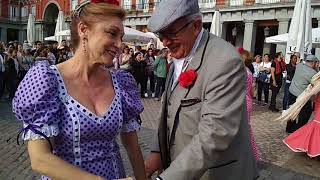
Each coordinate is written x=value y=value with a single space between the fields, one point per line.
x=266 y=31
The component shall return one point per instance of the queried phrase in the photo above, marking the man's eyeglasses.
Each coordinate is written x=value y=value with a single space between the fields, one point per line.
x=174 y=35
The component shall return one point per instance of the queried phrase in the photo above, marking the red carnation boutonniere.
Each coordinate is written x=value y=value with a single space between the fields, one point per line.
x=114 y=2
x=187 y=78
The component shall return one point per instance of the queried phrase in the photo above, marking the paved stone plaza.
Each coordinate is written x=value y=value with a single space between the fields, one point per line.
x=278 y=162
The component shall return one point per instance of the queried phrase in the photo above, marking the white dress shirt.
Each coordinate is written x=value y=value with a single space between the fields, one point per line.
x=178 y=63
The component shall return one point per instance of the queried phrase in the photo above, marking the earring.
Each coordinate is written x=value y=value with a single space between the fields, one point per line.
x=84 y=45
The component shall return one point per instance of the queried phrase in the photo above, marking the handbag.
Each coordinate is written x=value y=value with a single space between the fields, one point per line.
x=262 y=76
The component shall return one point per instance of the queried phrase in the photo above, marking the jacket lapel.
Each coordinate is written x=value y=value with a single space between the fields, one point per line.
x=180 y=92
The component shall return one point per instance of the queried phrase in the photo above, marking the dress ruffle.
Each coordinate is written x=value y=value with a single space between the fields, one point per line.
x=306 y=139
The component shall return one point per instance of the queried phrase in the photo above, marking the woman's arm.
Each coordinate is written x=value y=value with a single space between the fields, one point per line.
x=48 y=164
x=130 y=142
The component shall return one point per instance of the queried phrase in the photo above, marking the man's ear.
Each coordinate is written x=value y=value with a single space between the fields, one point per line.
x=197 y=25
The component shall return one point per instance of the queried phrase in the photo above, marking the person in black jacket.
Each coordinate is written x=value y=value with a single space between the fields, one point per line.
x=139 y=72
x=12 y=73
x=291 y=68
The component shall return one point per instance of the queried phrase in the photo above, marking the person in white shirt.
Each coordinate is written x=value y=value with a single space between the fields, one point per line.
x=256 y=63
x=264 y=79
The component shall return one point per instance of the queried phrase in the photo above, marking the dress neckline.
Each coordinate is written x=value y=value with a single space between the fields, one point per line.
x=64 y=93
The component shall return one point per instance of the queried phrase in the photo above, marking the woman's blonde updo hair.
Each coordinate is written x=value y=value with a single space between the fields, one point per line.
x=91 y=14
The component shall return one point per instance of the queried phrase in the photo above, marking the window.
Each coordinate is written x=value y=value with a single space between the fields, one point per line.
x=33 y=10
x=236 y=2
x=142 y=4
x=13 y=11
x=207 y=3
x=126 y=4
x=24 y=12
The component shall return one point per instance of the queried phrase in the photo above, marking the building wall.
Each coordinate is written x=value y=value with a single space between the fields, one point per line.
x=63 y=5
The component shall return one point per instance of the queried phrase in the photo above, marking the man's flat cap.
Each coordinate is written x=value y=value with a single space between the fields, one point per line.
x=169 y=11
x=311 y=58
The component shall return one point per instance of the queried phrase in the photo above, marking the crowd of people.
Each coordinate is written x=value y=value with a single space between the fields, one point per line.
x=271 y=74
x=296 y=77
x=149 y=65
x=145 y=65
x=17 y=58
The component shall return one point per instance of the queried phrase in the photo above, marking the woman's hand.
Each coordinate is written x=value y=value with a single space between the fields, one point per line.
x=152 y=164
x=130 y=142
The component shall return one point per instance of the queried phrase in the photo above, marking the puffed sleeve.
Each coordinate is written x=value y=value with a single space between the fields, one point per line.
x=36 y=103
x=131 y=103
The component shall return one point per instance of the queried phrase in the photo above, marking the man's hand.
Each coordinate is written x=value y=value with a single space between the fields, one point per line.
x=152 y=164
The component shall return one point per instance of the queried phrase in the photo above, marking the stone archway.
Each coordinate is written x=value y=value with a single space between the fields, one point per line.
x=49 y=19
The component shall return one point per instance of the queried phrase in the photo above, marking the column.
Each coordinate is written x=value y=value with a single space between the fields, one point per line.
x=318 y=49
x=4 y=34
x=283 y=28
x=224 y=30
x=250 y=32
x=21 y=37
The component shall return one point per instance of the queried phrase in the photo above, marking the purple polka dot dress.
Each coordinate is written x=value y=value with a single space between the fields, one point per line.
x=80 y=137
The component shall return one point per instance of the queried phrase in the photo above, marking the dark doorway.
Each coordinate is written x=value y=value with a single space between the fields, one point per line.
x=12 y=34
x=50 y=17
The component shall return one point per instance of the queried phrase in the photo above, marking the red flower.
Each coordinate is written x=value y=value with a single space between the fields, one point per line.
x=187 y=78
x=114 y=2
x=240 y=50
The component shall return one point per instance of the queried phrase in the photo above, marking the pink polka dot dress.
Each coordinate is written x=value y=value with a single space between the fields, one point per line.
x=80 y=137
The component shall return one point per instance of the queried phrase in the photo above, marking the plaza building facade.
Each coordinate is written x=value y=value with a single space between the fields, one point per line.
x=14 y=17
x=245 y=23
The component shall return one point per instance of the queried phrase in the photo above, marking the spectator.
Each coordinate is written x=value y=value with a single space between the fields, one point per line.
x=161 y=72
x=125 y=58
x=63 y=55
x=149 y=58
x=35 y=52
x=42 y=55
x=290 y=68
x=25 y=62
x=139 y=72
x=70 y=52
x=138 y=49
x=55 y=50
x=12 y=73
x=2 y=71
x=256 y=64
x=264 y=79
x=151 y=44
x=278 y=66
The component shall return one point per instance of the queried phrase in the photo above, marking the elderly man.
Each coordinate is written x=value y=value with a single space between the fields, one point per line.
x=203 y=131
x=300 y=81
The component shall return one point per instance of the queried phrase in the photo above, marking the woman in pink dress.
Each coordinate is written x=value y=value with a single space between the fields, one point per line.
x=246 y=57
x=307 y=138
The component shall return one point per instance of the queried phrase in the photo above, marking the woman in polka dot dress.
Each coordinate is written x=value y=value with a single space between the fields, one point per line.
x=73 y=112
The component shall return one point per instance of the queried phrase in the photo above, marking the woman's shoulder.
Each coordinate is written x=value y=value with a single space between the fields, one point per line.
x=39 y=79
x=124 y=78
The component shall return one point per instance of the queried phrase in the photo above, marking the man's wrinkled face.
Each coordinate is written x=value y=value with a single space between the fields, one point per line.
x=180 y=36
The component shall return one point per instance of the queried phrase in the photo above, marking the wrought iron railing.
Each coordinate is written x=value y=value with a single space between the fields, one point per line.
x=209 y=4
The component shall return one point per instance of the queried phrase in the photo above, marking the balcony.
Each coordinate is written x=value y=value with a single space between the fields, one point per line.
x=142 y=7
x=209 y=4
